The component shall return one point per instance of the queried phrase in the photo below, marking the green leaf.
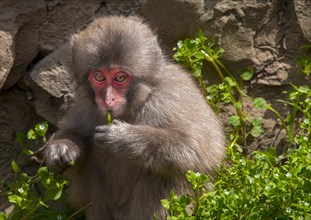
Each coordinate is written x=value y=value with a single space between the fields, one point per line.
x=257 y=122
x=15 y=199
x=28 y=152
x=15 y=167
x=260 y=103
x=218 y=53
x=54 y=187
x=165 y=203
x=306 y=47
x=43 y=204
x=229 y=81
x=234 y=120
x=247 y=73
x=199 y=56
x=31 y=135
x=41 y=128
x=238 y=105
x=53 y=193
x=3 y=216
x=304 y=89
x=257 y=127
x=20 y=137
x=197 y=72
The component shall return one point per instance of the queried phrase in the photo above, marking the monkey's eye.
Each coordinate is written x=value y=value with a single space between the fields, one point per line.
x=120 y=77
x=99 y=77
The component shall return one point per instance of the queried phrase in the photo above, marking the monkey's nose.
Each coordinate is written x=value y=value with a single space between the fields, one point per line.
x=110 y=96
x=110 y=101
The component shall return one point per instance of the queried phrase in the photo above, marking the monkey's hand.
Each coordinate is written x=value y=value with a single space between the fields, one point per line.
x=115 y=137
x=61 y=154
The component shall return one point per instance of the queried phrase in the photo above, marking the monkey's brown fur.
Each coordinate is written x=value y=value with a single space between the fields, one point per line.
x=126 y=168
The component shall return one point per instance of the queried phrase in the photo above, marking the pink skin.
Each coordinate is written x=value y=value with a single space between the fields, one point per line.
x=110 y=87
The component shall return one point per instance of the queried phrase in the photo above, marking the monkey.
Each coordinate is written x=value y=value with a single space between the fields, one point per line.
x=161 y=128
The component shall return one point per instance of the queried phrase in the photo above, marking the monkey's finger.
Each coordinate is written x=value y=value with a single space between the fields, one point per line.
x=102 y=128
x=59 y=158
x=116 y=122
x=58 y=168
x=60 y=165
x=56 y=165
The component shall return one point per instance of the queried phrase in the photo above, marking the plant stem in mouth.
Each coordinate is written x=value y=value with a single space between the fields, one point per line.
x=109 y=121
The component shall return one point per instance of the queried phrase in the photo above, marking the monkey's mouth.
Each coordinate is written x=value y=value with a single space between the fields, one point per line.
x=103 y=108
x=114 y=111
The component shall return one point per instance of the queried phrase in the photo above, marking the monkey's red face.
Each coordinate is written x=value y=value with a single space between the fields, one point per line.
x=110 y=87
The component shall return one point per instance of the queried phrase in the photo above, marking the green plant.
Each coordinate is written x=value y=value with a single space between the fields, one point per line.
x=304 y=61
x=31 y=194
x=257 y=188
x=260 y=187
x=192 y=53
x=263 y=185
x=300 y=102
x=37 y=134
x=30 y=202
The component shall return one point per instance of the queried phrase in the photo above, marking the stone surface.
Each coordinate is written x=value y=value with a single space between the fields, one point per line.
x=174 y=19
x=303 y=13
x=53 y=84
x=6 y=55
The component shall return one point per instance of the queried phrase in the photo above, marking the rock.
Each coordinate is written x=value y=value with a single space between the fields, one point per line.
x=174 y=19
x=303 y=13
x=42 y=27
x=16 y=115
x=6 y=55
x=53 y=84
x=238 y=44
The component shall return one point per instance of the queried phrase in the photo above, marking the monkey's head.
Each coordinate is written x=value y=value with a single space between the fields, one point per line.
x=116 y=60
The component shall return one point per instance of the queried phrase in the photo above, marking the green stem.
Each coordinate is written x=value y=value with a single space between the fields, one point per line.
x=28 y=215
x=241 y=94
x=109 y=119
x=240 y=91
x=269 y=107
x=243 y=125
x=292 y=122
x=234 y=142
x=202 y=85
x=80 y=210
x=217 y=69
x=212 y=61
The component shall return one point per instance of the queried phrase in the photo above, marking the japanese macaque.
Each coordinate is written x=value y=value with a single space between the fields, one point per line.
x=162 y=126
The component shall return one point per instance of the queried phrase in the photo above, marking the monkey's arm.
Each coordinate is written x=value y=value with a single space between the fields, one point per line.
x=159 y=149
